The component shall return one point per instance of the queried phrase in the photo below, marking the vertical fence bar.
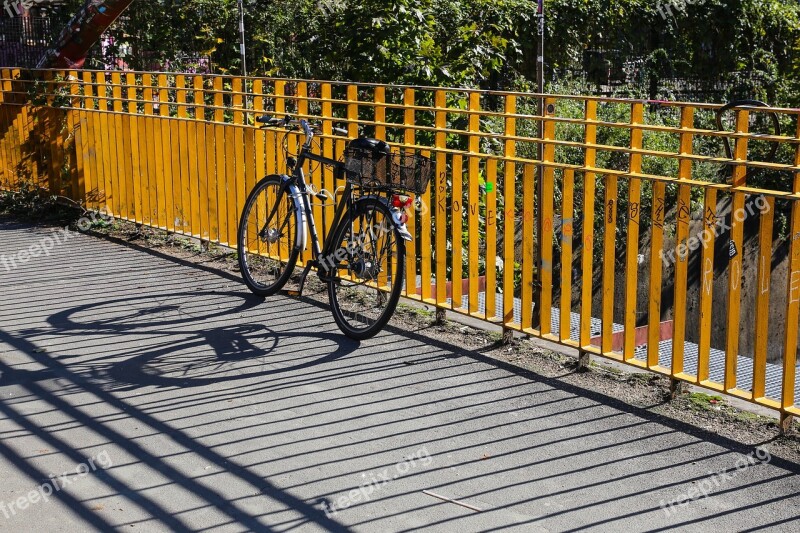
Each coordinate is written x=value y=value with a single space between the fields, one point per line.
x=229 y=145
x=183 y=201
x=261 y=135
x=150 y=178
x=762 y=298
x=315 y=178
x=248 y=159
x=74 y=115
x=200 y=226
x=138 y=146
x=101 y=148
x=379 y=97
x=352 y=129
x=567 y=232
x=590 y=157
x=165 y=199
x=528 y=261
x=491 y=240
x=632 y=244
x=456 y=217
x=221 y=180
x=440 y=182
x=793 y=296
x=735 y=264
x=329 y=148
x=473 y=201
x=53 y=136
x=656 y=273
x=117 y=159
x=545 y=302
x=509 y=197
x=13 y=115
x=706 y=284
x=237 y=179
x=176 y=214
x=89 y=146
x=609 y=262
x=683 y=216
x=192 y=197
x=426 y=244
x=409 y=139
x=7 y=170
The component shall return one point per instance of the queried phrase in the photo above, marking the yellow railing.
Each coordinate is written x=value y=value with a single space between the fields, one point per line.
x=660 y=249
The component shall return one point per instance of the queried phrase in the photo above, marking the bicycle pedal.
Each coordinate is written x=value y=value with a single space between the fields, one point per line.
x=293 y=293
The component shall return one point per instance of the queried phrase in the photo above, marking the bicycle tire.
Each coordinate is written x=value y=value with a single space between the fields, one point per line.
x=336 y=283
x=248 y=260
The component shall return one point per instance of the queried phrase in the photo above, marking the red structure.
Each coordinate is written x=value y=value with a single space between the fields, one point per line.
x=83 y=31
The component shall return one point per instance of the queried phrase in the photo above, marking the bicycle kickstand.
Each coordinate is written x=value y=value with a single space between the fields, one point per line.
x=303 y=276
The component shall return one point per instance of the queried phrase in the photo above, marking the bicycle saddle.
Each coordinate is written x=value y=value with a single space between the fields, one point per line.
x=372 y=145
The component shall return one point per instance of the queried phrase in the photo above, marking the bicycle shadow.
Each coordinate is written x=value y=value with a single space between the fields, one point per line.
x=203 y=356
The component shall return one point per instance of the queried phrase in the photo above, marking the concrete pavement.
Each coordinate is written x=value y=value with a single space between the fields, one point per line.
x=164 y=397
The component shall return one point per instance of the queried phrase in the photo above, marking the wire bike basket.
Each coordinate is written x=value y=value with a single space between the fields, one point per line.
x=387 y=171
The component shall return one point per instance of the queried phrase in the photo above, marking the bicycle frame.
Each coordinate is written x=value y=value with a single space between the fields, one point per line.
x=298 y=190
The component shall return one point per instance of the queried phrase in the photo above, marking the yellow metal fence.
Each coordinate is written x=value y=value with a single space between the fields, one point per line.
x=660 y=248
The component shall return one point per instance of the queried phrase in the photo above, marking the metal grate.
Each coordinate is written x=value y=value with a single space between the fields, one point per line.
x=23 y=40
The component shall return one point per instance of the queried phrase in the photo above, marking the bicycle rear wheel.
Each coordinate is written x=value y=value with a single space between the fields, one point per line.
x=369 y=258
x=267 y=244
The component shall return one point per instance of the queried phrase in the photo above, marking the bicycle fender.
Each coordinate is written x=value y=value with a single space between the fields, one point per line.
x=302 y=228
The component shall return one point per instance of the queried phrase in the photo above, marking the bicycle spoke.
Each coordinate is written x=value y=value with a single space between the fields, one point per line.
x=369 y=273
x=268 y=231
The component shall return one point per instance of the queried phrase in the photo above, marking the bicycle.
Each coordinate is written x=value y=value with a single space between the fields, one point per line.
x=362 y=260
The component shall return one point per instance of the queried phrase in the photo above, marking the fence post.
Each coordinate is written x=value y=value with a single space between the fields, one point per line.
x=201 y=226
x=682 y=251
x=440 y=191
x=547 y=188
x=785 y=423
x=509 y=223
x=632 y=244
x=584 y=360
x=409 y=140
x=793 y=298
x=473 y=202
x=567 y=234
x=165 y=199
x=587 y=250
x=735 y=263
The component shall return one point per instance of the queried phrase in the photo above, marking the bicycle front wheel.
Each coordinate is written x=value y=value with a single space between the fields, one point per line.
x=267 y=237
x=368 y=265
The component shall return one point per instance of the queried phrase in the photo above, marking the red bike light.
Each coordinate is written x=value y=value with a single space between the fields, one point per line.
x=401 y=201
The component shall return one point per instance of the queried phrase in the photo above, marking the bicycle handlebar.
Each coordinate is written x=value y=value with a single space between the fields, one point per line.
x=291 y=124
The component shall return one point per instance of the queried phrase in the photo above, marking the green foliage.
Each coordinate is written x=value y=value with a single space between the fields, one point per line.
x=27 y=200
x=750 y=47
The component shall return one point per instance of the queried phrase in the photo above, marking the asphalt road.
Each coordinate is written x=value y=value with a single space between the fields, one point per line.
x=164 y=397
